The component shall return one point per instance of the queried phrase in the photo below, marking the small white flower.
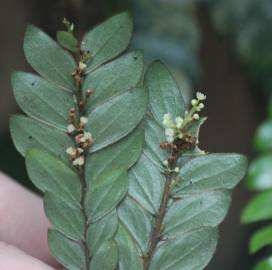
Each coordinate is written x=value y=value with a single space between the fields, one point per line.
x=196 y=116
x=82 y=139
x=71 y=128
x=165 y=162
x=180 y=136
x=79 y=161
x=82 y=65
x=176 y=169
x=167 y=121
x=194 y=102
x=170 y=139
x=200 y=96
x=71 y=151
x=170 y=132
x=167 y=116
x=80 y=150
x=88 y=136
x=200 y=107
x=83 y=120
x=179 y=122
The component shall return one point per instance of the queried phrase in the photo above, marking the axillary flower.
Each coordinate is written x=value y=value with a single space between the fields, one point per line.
x=174 y=129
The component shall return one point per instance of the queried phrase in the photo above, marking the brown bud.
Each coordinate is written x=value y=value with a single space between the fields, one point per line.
x=89 y=92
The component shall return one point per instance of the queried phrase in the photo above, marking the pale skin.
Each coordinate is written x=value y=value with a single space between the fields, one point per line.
x=23 y=229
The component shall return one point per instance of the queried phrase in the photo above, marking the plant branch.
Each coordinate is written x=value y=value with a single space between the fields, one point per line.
x=78 y=76
x=156 y=233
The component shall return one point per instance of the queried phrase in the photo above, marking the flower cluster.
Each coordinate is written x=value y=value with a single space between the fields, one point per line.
x=174 y=128
x=166 y=164
x=83 y=141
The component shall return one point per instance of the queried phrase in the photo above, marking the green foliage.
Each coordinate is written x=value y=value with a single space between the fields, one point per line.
x=67 y=40
x=259 y=179
x=108 y=39
x=118 y=196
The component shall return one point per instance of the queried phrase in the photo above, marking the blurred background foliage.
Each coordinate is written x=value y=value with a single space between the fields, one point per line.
x=248 y=22
x=220 y=47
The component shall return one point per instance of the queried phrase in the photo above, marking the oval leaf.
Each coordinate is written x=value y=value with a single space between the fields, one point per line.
x=114 y=78
x=260 y=174
x=108 y=39
x=28 y=133
x=207 y=209
x=102 y=231
x=129 y=256
x=122 y=154
x=259 y=208
x=137 y=222
x=48 y=58
x=40 y=99
x=190 y=251
x=260 y=239
x=164 y=94
x=211 y=172
x=66 y=218
x=49 y=173
x=116 y=118
x=106 y=257
x=146 y=184
x=67 y=40
x=263 y=138
x=67 y=252
x=105 y=193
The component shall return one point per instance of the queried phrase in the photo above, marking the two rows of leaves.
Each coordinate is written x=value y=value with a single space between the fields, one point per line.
x=259 y=179
x=108 y=224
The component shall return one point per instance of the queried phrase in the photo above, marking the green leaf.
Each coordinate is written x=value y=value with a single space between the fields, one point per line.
x=211 y=172
x=51 y=174
x=67 y=40
x=28 y=133
x=146 y=184
x=154 y=135
x=122 y=154
x=164 y=94
x=191 y=250
x=42 y=100
x=206 y=209
x=114 y=78
x=67 y=252
x=259 y=208
x=105 y=192
x=260 y=174
x=116 y=118
x=102 y=231
x=66 y=218
x=265 y=264
x=260 y=239
x=137 y=222
x=48 y=58
x=106 y=258
x=129 y=256
x=263 y=138
x=194 y=131
x=108 y=39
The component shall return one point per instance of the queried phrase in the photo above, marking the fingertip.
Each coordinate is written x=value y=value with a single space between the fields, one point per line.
x=12 y=258
x=23 y=222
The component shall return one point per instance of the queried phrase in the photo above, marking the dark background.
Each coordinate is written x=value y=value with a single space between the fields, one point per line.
x=209 y=60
